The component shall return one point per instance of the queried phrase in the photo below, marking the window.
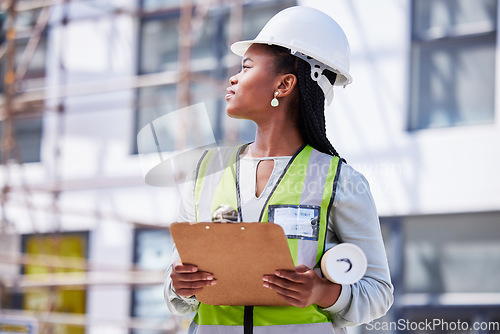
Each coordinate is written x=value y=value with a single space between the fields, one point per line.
x=453 y=63
x=27 y=122
x=444 y=268
x=159 y=48
x=28 y=133
x=444 y=254
x=72 y=248
x=150 y=5
x=153 y=251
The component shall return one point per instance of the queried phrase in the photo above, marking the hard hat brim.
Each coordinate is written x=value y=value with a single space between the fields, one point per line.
x=239 y=49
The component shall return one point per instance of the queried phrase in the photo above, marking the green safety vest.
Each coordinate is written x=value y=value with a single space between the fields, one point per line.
x=310 y=180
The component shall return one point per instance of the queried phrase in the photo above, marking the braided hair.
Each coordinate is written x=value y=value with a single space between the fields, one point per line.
x=311 y=104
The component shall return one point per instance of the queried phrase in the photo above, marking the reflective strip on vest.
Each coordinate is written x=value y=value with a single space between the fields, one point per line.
x=223 y=315
x=312 y=194
x=213 y=166
x=309 y=179
x=319 y=328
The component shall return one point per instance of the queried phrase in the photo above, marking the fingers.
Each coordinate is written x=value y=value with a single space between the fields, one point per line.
x=282 y=286
x=187 y=289
x=293 y=286
x=300 y=275
x=188 y=281
x=297 y=302
x=184 y=268
x=195 y=277
x=295 y=294
x=289 y=282
x=187 y=286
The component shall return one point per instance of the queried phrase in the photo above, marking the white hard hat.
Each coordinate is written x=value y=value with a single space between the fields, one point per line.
x=308 y=32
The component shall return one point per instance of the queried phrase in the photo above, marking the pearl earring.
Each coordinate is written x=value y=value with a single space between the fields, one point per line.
x=275 y=102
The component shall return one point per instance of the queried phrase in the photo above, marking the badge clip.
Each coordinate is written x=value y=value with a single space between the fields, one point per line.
x=225 y=214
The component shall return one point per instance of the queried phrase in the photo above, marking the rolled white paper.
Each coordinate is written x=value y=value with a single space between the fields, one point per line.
x=344 y=263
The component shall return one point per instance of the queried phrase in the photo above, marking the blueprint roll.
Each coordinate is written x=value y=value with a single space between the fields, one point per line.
x=344 y=263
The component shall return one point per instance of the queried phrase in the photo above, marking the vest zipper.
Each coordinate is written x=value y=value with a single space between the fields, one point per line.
x=248 y=320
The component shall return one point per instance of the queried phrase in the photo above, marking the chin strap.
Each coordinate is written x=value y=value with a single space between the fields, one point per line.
x=317 y=75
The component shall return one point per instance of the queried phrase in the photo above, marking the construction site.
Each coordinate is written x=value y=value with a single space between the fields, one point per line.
x=70 y=266
x=84 y=238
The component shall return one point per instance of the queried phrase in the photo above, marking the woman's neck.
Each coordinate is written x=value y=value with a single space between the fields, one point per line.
x=273 y=140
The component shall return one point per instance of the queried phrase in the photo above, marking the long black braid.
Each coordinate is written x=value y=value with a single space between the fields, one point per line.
x=312 y=109
x=311 y=115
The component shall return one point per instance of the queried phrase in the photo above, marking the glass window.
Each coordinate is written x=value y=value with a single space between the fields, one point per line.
x=155 y=5
x=155 y=102
x=210 y=34
x=28 y=135
x=159 y=52
x=453 y=63
x=447 y=16
x=36 y=65
x=443 y=267
x=452 y=254
x=25 y=22
x=27 y=130
x=153 y=251
x=72 y=247
x=159 y=42
x=254 y=18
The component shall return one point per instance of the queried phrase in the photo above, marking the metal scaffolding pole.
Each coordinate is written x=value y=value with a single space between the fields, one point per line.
x=185 y=43
x=33 y=42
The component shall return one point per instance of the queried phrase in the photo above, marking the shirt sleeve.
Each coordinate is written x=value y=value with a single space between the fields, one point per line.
x=354 y=219
x=177 y=304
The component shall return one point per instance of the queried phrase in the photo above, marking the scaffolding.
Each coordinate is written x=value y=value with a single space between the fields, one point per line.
x=21 y=104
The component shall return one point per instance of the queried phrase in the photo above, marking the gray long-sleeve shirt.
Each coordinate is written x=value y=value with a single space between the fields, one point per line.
x=353 y=218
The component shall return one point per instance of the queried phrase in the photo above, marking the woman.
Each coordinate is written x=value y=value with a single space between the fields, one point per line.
x=287 y=72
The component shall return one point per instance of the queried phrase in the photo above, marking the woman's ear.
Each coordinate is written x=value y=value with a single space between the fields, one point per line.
x=287 y=84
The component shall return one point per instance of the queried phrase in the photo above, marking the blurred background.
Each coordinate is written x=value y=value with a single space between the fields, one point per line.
x=84 y=241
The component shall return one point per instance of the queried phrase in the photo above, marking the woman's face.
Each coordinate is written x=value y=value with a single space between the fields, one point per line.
x=251 y=90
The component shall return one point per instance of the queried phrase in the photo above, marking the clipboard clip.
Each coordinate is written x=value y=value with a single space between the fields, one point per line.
x=225 y=214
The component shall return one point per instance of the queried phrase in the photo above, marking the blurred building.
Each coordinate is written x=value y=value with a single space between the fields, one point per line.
x=84 y=241
x=421 y=122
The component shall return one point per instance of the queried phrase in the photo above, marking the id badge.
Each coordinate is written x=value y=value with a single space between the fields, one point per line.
x=297 y=221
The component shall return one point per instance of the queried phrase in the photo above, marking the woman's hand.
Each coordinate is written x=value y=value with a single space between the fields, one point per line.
x=187 y=280
x=303 y=287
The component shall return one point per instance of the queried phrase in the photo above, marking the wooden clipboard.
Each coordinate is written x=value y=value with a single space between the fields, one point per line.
x=238 y=255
